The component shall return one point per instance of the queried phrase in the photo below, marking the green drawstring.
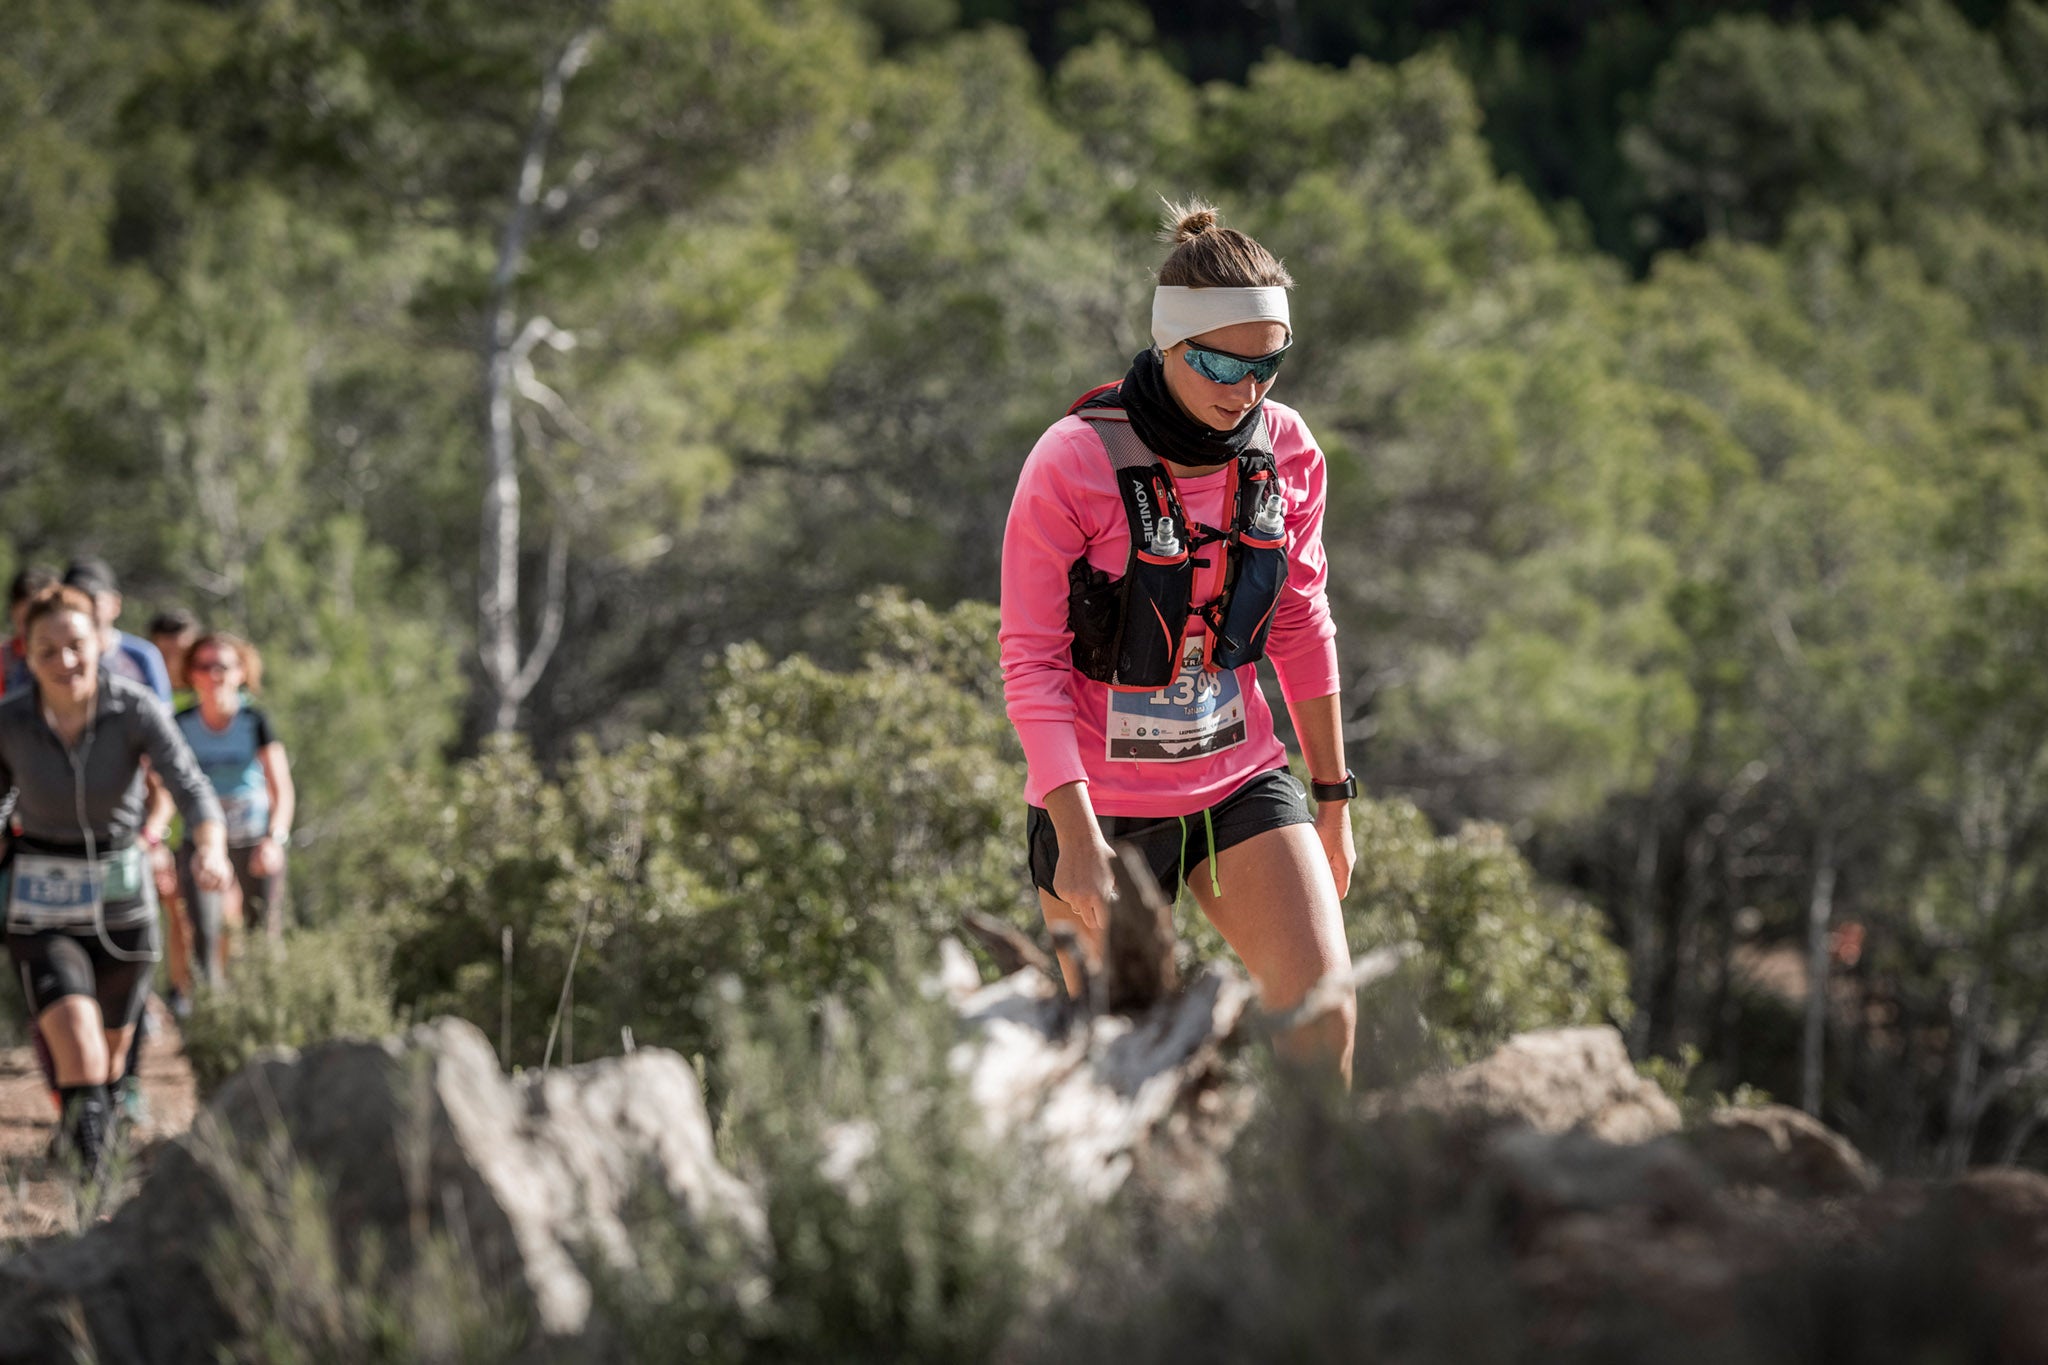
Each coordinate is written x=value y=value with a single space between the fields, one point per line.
x=1208 y=828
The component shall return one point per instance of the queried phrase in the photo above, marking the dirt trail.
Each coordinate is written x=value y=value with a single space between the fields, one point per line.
x=36 y=1200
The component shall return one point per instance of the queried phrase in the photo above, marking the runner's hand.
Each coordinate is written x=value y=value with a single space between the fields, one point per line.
x=1333 y=829
x=268 y=858
x=211 y=869
x=1083 y=878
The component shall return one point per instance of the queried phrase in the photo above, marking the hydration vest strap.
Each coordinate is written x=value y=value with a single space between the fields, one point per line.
x=1101 y=396
x=1102 y=648
x=1143 y=481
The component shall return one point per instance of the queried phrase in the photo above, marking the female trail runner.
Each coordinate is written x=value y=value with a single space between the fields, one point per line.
x=1165 y=535
x=81 y=914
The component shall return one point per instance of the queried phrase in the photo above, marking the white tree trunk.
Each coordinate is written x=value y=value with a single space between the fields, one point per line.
x=510 y=679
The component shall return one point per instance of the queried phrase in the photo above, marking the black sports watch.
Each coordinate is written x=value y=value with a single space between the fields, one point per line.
x=1335 y=791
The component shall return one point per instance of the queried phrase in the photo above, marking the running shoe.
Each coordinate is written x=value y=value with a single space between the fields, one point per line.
x=131 y=1106
x=87 y=1127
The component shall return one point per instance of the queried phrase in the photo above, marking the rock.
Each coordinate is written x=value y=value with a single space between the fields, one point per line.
x=1596 y=1223
x=957 y=977
x=1094 y=1089
x=1554 y=1081
x=1551 y=1175
x=1781 y=1149
x=533 y=1176
x=2007 y=1210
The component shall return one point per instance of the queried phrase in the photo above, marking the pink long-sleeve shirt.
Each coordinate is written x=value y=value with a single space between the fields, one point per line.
x=1067 y=505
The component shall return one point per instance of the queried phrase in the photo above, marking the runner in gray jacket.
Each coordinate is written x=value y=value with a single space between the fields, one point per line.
x=80 y=903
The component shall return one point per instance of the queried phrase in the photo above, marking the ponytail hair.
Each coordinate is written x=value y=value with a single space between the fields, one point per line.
x=1207 y=255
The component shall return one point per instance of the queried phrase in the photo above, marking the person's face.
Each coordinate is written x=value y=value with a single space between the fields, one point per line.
x=107 y=606
x=1223 y=406
x=215 y=672
x=18 y=613
x=64 y=655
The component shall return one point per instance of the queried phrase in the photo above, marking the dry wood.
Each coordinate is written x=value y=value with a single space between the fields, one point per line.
x=1012 y=949
x=1140 y=967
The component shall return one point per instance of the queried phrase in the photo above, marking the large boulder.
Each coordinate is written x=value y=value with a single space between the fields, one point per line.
x=537 y=1177
x=1780 y=1149
x=1556 y=1081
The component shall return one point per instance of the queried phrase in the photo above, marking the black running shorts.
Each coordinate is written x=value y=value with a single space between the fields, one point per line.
x=52 y=964
x=1175 y=847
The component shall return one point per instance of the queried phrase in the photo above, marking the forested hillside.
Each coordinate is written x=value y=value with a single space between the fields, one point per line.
x=502 y=366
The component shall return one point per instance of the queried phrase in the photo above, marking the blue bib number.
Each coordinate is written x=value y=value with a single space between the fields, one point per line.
x=1198 y=714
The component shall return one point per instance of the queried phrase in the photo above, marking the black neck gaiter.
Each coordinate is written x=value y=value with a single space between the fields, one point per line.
x=1167 y=430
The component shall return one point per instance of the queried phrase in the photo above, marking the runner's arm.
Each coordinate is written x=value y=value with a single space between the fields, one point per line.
x=284 y=797
x=1042 y=538
x=1303 y=642
x=1319 y=726
x=156 y=815
x=1303 y=647
x=1084 y=878
x=171 y=759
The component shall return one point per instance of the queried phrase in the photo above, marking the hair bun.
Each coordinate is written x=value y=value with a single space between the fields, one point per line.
x=1185 y=222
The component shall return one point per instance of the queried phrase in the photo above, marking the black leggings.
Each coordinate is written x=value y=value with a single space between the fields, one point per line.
x=262 y=906
x=54 y=963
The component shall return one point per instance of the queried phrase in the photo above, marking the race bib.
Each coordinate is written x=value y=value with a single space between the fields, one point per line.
x=51 y=893
x=1198 y=714
x=46 y=891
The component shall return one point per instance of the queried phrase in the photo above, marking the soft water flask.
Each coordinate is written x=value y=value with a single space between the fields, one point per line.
x=1165 y=540
x=1271 y=520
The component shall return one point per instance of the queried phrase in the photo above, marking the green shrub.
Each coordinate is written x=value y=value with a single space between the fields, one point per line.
x=301 y=1290
x=819 y=826
x=1501 y=953
x=897 y=1229
x=331 y=982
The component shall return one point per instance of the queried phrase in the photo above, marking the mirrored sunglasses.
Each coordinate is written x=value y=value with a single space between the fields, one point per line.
x=1221 y=367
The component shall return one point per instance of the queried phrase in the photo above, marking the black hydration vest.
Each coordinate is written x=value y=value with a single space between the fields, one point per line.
x=1129 y=631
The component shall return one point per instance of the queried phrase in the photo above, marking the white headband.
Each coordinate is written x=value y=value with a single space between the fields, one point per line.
x=1179 y=312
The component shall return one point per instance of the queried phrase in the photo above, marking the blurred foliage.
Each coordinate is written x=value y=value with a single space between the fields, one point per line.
x=898 y=1228
x=1501 y=955
x=819 y=829
x=824 y=830
x=303 y=1291
x=328 y=983
x=1348 y=1237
